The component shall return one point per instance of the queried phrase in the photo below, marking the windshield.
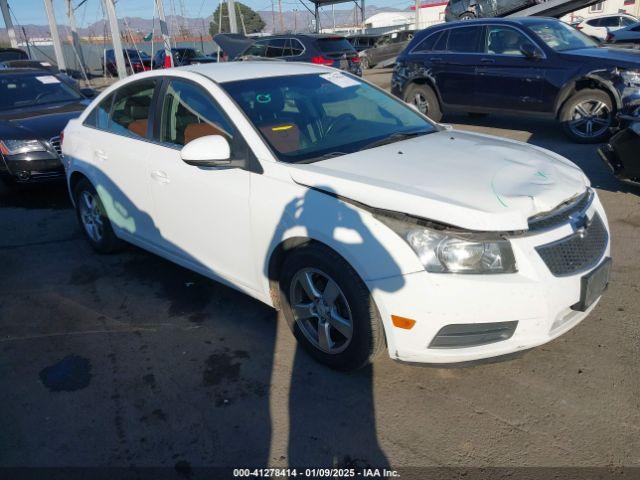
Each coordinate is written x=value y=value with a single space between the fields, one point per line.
x=305 y=118
x=560 y=36
x=24 y=90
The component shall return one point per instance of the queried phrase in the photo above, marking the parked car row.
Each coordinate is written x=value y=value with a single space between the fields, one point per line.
x=139 y=61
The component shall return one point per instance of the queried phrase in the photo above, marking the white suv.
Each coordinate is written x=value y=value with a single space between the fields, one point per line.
x=598 y=27
x=324 y=196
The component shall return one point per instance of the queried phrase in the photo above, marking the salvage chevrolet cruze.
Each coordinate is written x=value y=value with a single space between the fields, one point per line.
x=324 y=196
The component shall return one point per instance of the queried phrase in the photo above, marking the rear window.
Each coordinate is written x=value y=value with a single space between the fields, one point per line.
x=464 y=40
x=337 y=44
x=13 y=55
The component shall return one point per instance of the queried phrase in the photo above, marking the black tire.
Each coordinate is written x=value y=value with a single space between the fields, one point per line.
x=107 y=242
x=569 y=116
x=425 y=99
x=6 y=187
x=367 y=338
x=467 y=16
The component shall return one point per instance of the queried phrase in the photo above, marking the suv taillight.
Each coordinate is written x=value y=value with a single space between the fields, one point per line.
x=320 y=60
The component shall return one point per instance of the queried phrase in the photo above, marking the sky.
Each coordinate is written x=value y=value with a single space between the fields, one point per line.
x=32 y=11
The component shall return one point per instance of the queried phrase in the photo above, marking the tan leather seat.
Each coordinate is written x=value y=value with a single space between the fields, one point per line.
x=139 y=127
x=197 y=130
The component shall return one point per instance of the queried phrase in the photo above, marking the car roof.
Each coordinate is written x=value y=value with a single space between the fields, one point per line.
x=607 y=15
x=234 y=71
x=8 y=71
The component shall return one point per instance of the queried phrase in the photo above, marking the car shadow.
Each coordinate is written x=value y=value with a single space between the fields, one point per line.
x=545 y=133
x=50 y=195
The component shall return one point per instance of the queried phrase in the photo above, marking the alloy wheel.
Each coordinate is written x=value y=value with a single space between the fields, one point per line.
x=590 y=118
x=421 y=102
x=91 y=216
x=321 y=311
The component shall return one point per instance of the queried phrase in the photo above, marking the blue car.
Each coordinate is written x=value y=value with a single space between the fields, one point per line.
x=537 y=66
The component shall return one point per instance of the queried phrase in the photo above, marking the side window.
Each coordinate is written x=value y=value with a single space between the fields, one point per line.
x=505 y=41
x=594 y=23
x=441 y=44
x=99 y=116
x=610 y=22
x=296 y=47
x=258 y=49
x=464 y=39
x=276 y=48
x=188 y=112
x=428 y=43
x=131 y=107
x=625 y=22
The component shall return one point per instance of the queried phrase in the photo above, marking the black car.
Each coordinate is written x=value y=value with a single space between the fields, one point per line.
x=331 y=50
x=628 y=37
x=181 y=56
x=387 y=47
x=35 y=106
x=469 y=9
x=363 y=42
x=622 y=153
x=7 y=54
x=525 y=65
x=135 y=61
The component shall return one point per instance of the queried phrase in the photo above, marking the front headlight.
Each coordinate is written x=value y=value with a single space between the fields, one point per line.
x=631 y=77
x=442 y=251
x=15 y=147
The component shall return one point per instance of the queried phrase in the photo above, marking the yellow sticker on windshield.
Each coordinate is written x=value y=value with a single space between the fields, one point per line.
x=282 y=128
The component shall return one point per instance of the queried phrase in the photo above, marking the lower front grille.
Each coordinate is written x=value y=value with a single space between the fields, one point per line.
x=55 y=144
x=577 y=252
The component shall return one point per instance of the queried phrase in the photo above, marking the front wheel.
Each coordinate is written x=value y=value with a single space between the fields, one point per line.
x=467 y=16
x=93 y=219
x=587 y=117
x=425 y=100
x=329 y=308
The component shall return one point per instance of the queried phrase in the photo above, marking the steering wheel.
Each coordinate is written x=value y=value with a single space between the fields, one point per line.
x=341 y=122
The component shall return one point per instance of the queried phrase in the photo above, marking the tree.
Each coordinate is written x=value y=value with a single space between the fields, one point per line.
x=253 y=23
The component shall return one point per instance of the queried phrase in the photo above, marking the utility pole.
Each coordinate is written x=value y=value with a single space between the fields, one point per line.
x=295 y=20
x=55 y=35
x=8 y=23
x=417 y=20
x=110 y=8
x=333 y=14
x=233 y=25
x=75 y=39
x=280 y=13
x=273 y=19
x=164 y=31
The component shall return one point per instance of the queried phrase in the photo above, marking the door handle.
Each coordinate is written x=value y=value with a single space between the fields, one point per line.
x=100 y=155
x=160 y=176
x=487 y=60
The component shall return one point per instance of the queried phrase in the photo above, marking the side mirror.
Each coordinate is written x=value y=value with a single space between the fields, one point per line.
x=207 y=151
x=89 y=92
x=529 y=50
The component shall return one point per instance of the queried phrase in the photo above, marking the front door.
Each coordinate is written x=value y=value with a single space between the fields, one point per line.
x=506 y=78
x=203 y=212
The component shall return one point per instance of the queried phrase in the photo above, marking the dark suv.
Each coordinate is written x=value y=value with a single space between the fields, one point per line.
x=534 y=65
x=387 y=47
x=330 y=50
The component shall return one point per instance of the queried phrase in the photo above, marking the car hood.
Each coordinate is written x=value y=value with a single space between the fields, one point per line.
x=621 y=57
x=41 y=122
x=467 y=180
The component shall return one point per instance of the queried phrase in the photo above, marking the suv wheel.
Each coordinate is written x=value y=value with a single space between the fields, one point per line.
x=329 y=308
x=467 y=16
x=425 y=100
x=93 y=219
x=364 y=62
x=587 y=116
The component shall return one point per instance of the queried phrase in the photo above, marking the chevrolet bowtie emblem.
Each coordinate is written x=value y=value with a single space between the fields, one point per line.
x=580 y=223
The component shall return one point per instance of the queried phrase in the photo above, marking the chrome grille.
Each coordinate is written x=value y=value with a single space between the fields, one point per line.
x=577 y=252
x=55 y=144
x=560 y=215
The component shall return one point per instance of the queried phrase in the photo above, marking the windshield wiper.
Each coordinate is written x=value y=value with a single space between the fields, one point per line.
x=395 y=137
x=326 y=156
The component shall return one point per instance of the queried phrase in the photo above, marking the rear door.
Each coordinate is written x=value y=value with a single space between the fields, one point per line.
x=118 y=147
x=454 y=61
x=507 y=79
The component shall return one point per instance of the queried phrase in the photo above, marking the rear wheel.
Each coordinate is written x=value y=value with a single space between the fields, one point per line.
x=587 y=117
x=467 y=16
x=329 y=308
x=364 y=62
x=94 y=220
x=425 y=100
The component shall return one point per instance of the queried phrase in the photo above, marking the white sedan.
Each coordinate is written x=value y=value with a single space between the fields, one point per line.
x=322 y=195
